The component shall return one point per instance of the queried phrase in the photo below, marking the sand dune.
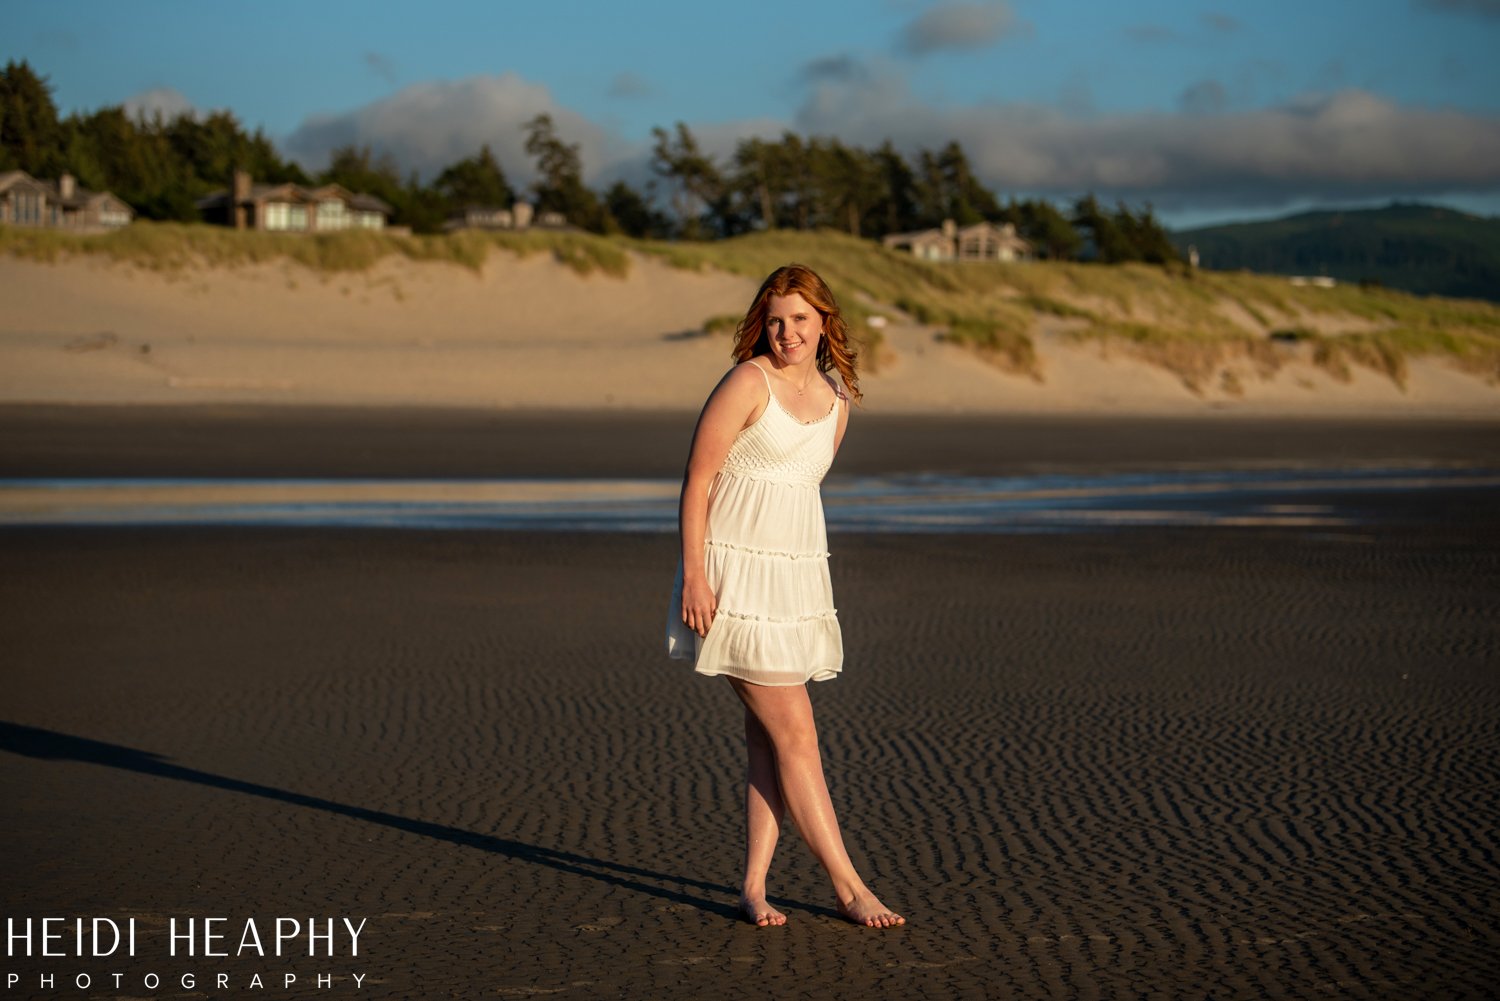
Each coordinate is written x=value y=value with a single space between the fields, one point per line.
x=530 y=333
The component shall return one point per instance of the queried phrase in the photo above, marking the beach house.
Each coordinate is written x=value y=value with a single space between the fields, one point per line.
x=983 y=241
x=521 y=215
x=60 y=204
x=292 y=208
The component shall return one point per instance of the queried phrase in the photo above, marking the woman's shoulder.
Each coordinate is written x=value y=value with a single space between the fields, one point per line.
x=746 y=382
x=748 y=372
x=739 y=397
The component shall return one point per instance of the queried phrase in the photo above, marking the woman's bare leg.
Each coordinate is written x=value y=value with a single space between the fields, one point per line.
x=785 y=713
x=763 y=812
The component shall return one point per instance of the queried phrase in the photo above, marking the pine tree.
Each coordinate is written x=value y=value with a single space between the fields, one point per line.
x=697 y=182
x=559 y=185
x=634 y=214
x=31 y=138
x=475 y=181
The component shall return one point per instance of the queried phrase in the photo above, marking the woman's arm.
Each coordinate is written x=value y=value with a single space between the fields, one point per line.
x=735 y=402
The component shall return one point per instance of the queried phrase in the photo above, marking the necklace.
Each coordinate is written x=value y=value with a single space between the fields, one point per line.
x=805 y=382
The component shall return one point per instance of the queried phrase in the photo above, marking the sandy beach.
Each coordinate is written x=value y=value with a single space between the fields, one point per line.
x=1237 y=763
x=1251 y=758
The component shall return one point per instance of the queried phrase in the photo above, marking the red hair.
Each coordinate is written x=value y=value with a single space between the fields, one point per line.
x=751 y=338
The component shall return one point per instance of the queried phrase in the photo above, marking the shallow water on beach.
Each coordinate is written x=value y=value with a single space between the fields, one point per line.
x=1287 y=497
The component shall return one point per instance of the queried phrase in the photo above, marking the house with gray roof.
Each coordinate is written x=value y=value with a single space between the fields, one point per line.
x=521 y=215
x=983 y=241
x=59 y=204
x=292 y=208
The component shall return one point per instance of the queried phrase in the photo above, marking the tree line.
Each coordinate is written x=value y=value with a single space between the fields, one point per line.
x=162 y=166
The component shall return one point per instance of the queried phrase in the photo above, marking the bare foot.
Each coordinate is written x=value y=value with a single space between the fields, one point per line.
x=759 y=912
x=865 y=910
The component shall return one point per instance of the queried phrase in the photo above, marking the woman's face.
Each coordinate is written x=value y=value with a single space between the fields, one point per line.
x=793 y=328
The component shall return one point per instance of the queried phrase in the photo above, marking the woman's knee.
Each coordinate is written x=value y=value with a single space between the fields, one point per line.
x=781 y=716
x=791 y=734
x=796 y=744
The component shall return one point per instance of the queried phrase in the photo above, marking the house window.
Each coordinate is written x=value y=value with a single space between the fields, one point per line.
x=370 y=220
x=284 y=216
x=277 y=216
x=333 y=214
x=28 y=207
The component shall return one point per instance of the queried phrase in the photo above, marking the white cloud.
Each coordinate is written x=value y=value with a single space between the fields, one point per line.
x=426 y=126
x=1347 y=144
x=166 y=101
x=959 y=25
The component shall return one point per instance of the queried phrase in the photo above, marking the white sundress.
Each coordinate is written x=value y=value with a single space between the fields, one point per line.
x=766 y=557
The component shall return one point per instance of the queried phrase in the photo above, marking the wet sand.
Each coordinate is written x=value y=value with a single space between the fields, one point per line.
x=1139 y=763
x=265 y=441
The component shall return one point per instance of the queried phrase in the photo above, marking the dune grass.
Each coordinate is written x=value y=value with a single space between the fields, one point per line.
x=999 y=343
x=1198 y=357
x=1174 y=318
x=1192 y=323
x=176 y=246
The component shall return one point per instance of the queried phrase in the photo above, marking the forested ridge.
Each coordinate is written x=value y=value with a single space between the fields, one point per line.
x=1418 y=248
x=161 y=166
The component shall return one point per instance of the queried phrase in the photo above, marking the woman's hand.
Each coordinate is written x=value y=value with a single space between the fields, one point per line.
x=699 y=606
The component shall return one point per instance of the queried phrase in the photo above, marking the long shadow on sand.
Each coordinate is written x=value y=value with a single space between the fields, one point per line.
x=49 y=745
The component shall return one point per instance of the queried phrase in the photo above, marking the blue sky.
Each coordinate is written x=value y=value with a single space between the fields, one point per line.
x=1211 y=110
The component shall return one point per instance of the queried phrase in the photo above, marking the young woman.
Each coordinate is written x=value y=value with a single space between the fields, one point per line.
x=752 y=600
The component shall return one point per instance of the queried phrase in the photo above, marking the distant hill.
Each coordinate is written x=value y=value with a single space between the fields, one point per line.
x=1417 y=248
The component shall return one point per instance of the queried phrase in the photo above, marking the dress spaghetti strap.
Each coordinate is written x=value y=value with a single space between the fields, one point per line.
x=765 y=376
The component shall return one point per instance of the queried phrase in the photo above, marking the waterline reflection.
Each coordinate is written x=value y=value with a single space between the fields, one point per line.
x=1287 y=497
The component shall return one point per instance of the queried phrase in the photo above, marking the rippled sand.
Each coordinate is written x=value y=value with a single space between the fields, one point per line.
x=1237 y=763
x=1231 y=762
